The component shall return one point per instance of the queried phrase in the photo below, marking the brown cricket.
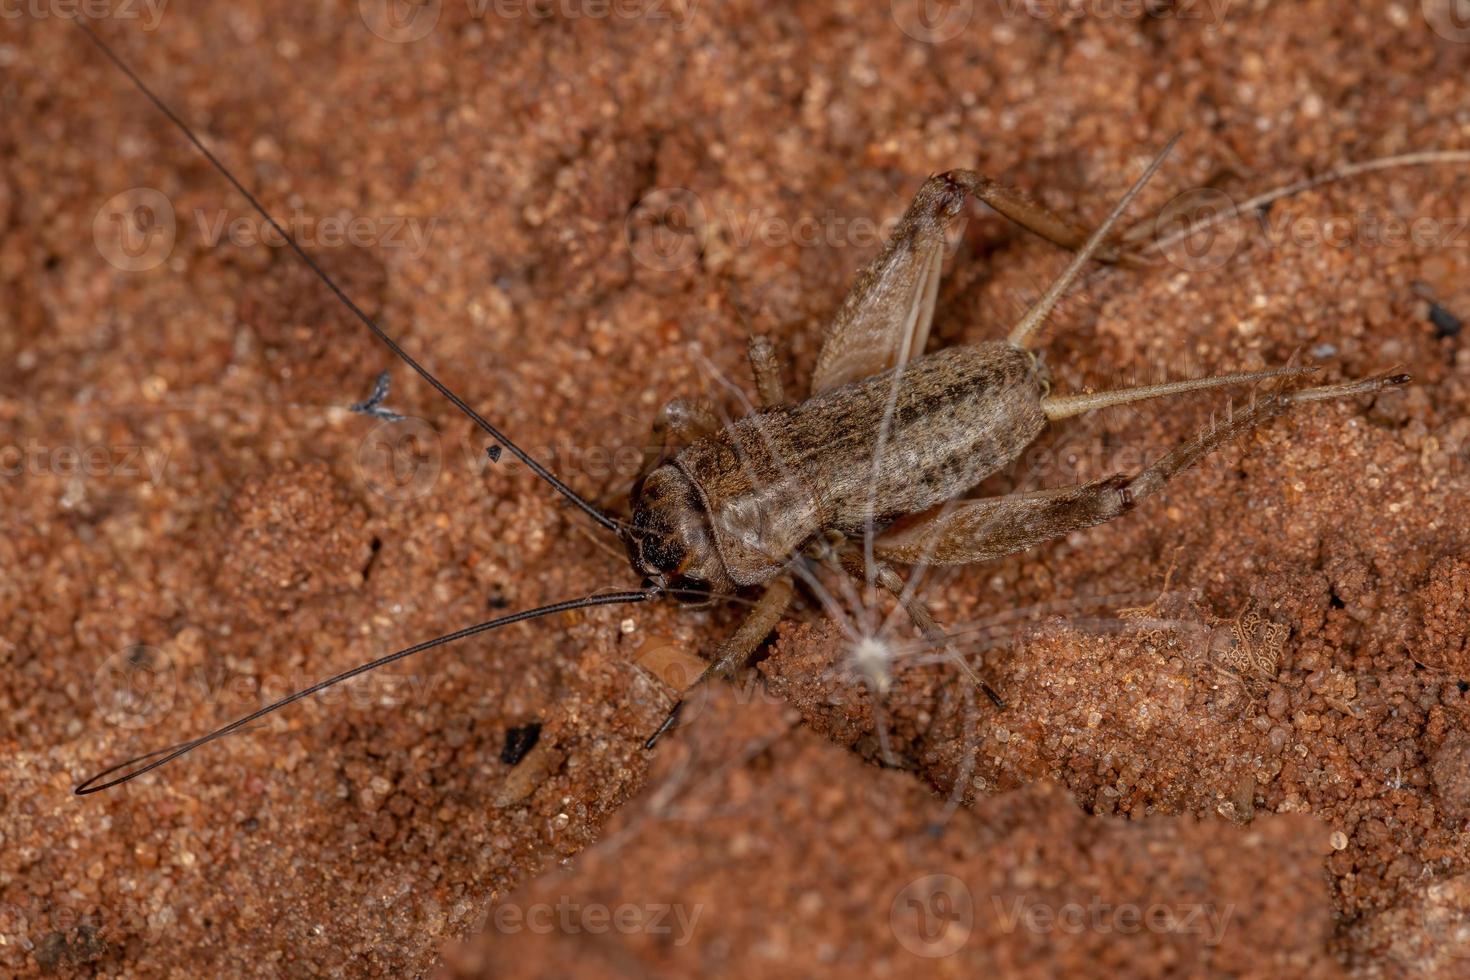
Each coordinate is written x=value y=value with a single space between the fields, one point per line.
x=890 y=441
x=871 y=470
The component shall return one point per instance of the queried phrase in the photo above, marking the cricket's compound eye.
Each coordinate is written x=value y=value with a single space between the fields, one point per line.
x=669 y=542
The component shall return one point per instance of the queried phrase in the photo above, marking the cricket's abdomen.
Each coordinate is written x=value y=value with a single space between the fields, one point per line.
x=861 y=452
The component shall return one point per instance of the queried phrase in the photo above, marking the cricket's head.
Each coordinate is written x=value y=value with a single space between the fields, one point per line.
x=669 y=542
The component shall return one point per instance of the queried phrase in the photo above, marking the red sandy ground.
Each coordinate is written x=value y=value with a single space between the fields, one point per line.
x=1324 y=807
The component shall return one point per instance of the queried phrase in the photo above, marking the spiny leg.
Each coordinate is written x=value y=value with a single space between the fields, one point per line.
x=737 y=649
x=970 y=531
x=1058 y=407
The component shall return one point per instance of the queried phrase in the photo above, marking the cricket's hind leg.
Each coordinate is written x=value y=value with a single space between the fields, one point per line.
x=1038 y=219
x=1026 y=328
x=885 y=317
x=969 y=531
x=738 y=648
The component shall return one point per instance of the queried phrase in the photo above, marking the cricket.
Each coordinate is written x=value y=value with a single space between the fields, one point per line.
x=867 y=474
x=677 y=489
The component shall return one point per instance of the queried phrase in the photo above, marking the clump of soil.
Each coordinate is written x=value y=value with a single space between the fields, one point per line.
x=704 y=876
x=1250 y=693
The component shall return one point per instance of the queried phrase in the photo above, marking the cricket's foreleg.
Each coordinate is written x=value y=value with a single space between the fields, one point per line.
x=683 y=420
x=970 y=531
x=766 y=367
x=738 y=647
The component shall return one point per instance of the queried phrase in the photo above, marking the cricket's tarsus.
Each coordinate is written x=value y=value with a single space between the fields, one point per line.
x=668 y=723
x=587 y=507
x=133 y=768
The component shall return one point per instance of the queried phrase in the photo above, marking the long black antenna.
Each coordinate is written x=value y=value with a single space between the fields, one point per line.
x=100 y=781
x=587 y=507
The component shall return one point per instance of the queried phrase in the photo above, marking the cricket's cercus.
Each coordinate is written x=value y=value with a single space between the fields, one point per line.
x=869 y=471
